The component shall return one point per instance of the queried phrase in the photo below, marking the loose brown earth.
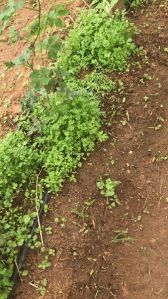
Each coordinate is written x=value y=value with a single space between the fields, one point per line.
x=87 y=263
x=14 y=82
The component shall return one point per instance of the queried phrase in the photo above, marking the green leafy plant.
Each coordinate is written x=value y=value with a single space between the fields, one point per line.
x=81 y=213
x=42 y=286
x=45 y=264
x=95 y=83
x=108 y=189
x=61 y=221
x=98 y=40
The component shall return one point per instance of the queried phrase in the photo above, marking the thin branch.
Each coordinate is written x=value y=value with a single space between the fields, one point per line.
x=44 y=32
x=86 y=3
x=38 y=33
x=17 y=267
x=72 y=20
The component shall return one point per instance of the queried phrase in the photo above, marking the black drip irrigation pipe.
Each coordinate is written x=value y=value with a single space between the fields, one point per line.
x=25 y=248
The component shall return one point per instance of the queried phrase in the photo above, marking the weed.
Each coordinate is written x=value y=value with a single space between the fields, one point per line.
x=51 y=251
x=61 y=221
x=162 y=158
x=72 y=178
x=146 y=99
x=158 y=123
x=146 y=211
x=147 y=77
x=42 y=286
x=45 y=264
x=89 y=203
x=121 y=236
x=112 y=162
x=108 y=189
x=95 y=83
x=79 y=213
x=74 y=251
x=48 y=230
x=25 y=273
x=98 y=40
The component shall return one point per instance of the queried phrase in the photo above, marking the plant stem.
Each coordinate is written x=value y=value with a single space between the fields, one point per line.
x=38 y=33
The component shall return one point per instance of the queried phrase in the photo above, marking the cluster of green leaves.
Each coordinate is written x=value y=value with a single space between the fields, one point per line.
x=108 y=189
x=98 y=40
x=65 y=126
x=95 y=83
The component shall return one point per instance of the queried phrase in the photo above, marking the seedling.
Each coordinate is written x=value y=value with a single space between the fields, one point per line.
x=72 y=178
x=45 y=264
x=158 y=123
x=147 y=77
x=61 y=221
x=121 y=236
x=42 y=286
x=74 y=251
x=146 y=99
x=146 y=211
x=25 y=273
x=112 y=161
x=107 y=188
x=89 y=203
x=51 y=251
x=162 y=158
x=79 y=213
x=48 y=230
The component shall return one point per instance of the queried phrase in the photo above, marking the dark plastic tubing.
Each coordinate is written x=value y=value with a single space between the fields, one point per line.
x=25 y=248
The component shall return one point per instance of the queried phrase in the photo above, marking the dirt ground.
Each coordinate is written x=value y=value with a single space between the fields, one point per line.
x=88 y=263
x=14 y=81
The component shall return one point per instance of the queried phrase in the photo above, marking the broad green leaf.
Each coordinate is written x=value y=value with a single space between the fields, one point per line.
x=23 y=58
x=61 y=11
x=53 y=50
x=40 y=78
x=9 y=64
x=59 y=23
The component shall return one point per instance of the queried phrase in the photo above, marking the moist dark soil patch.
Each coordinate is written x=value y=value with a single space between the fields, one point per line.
x=88 y=264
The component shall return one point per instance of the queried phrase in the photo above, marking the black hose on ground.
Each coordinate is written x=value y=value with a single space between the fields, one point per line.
x=25 y=248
